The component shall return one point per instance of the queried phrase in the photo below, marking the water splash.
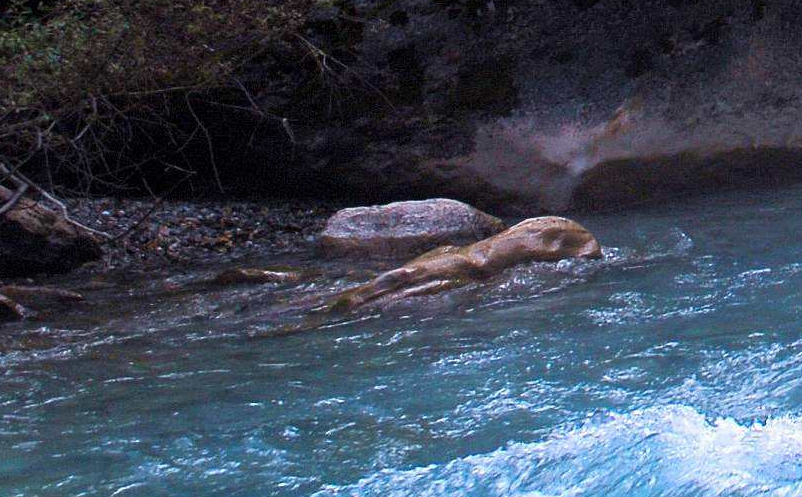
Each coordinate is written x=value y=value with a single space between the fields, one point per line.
x=661 y=451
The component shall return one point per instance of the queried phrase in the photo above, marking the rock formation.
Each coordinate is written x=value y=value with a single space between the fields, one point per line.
x=538 y=239
x=404 y=229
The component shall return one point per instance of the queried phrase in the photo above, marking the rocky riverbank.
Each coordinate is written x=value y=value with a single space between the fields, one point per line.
x=162 y=238
x=150 y=234
x=172 y=236
x=519 y=107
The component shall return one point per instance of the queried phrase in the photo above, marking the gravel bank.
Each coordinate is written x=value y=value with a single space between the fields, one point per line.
x=150 y=234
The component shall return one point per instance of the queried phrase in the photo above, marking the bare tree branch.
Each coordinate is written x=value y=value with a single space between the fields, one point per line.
x=208 y=143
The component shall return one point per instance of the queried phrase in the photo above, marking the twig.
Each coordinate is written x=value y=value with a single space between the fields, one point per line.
x=149 y=213
x=208 y=143
x=285 y=123
x=320 y=53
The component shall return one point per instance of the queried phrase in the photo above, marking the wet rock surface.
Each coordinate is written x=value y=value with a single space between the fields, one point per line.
x=24 y=302
x=256 y=276
x=404 y=229
x=35 y=239
x=538 y=239
x=12 y=311
x=41 y=298
x=617 y=183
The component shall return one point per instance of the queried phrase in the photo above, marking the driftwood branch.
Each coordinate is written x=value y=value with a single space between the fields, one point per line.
x=24 y=183
x=22 y=187
x=18 y=193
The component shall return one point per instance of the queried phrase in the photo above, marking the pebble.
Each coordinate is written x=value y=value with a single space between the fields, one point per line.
x=198 y=232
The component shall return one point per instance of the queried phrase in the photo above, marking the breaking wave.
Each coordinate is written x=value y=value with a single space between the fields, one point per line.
x=659 y=451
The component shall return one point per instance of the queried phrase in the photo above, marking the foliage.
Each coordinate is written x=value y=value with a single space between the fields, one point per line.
x=76 y=72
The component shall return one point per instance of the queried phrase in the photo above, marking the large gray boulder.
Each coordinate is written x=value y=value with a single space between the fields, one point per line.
x=35 y=239
x=404 y=229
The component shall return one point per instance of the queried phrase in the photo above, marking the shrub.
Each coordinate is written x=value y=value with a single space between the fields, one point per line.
x=81 y=78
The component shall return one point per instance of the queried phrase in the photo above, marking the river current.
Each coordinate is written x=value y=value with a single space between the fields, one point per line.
x=672 y=367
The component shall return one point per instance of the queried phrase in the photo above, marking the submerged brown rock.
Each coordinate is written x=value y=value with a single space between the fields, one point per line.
x=22 y=302
x=255 y=276
x=539 y=239
x=39 y=297
x=11 y=311
x=35 y=239
x=403 y=229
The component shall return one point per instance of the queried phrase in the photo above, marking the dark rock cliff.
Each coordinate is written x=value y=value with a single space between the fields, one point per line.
x=537 y=105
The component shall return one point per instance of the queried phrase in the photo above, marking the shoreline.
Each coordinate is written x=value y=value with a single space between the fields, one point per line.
x=150 y=234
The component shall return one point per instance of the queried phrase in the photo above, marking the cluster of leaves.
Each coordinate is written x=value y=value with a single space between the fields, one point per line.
x=74 y=69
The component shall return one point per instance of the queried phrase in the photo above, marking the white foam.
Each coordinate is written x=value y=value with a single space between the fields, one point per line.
x=660 y=451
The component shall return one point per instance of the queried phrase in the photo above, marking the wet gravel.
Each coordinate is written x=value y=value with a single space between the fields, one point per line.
x=151 y=234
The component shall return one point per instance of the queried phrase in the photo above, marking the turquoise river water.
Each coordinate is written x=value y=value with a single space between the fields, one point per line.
x=673 y=367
